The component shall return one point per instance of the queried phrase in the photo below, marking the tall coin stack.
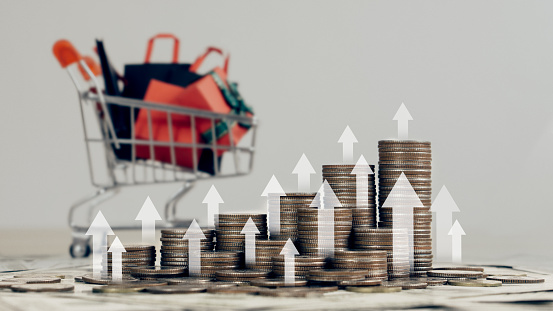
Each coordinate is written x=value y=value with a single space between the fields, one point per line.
x=289 y=206
x=308 y=230
x=414 y=159
x=174 y=249
x=344 y=184
x=229 y=227
x=383 y=239
x=374 y=261
x=135 y=256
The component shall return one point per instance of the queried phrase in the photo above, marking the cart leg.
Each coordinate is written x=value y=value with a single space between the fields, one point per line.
x=80 y=246
x=171 y=205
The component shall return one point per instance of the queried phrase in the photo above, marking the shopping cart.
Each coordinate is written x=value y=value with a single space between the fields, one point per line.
x=99 y=131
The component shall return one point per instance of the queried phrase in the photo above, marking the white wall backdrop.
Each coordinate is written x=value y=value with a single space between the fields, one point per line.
x=477 y=77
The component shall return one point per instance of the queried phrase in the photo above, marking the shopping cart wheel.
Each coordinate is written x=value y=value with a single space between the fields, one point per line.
x=79 y=248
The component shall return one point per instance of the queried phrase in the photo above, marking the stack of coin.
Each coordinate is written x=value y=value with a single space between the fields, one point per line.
x=210 y=261
x=289 y=206
x=414 y=159
x=135 y=256
x=265 y=250
x=336 y=275
x=344 y=185
x=375 y=262
x=383 y=239
x=174 y=248
x=302 y=265
x=308 y=230
x=241 y=277
x=229 y=227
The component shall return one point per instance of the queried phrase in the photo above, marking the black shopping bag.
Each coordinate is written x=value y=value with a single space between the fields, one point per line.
x=138 y=76
x=120 y=115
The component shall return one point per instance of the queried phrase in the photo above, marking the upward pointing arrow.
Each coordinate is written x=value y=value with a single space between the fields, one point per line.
x=289 y=251
x=325 y=201
x=362 y=170
x=250 y=230
x=304 y=170
x=273 y=191
x=456 y=232
x=212 y=199
x=148 y=214
x=402 y=117
x=116 y=250
x=194 y=234
x=99 y=229
x=347 y=140
x=443 y=206
x=402 y=199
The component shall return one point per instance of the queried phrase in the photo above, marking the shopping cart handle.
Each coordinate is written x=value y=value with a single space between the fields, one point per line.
x=93 y=65
x=66 y=53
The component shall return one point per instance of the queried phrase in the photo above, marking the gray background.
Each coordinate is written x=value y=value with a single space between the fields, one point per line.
x=475 y=75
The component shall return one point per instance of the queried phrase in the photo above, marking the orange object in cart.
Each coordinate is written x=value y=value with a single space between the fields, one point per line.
x=213 y=93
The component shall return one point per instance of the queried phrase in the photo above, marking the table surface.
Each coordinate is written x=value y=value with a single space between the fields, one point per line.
x=23 y=258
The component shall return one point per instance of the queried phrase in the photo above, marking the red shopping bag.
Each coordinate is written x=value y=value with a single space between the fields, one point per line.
x=213 y=93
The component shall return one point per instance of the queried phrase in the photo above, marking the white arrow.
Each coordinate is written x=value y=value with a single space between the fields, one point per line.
x=194 y=234
x=456 y=232
x=304 y=170
x=212 y=199
x=250 y=230
x=362 y=170
x=116 y=250
x=99 y=229
x=347 y=140
x=148 y=214
x=402 y=199
x=402 y=117
x=273 y=191
x=289 y=251
x=325 y=201
x=443 y=206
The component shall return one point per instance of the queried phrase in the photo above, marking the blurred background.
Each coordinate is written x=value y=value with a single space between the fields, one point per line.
x=475 y=75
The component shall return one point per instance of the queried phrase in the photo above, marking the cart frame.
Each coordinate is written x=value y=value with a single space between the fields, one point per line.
x=151 y=169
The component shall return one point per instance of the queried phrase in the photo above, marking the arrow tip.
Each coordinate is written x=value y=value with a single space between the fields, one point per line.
x=303 y=166
x=456 y=229
x=273 y=187
x=194 y=231
x=148 y=211
x=116 y=246
x=213 y=196
x=249 y=227
x=362 y=167
x=444 y=202
x=289 y=249
x=402 y=113
x=99 y=226
x=347 y=136
x=402 y=194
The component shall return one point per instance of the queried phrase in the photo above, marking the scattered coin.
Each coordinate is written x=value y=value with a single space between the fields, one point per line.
x=279 y=282
x=516 y=279
x=177 y=289
x=289 y=292
x=373 y=289
x=22 y=288
x=448 y=274
x=88 y=278
x=235 y=290
x=45 y=280
x=475 y=283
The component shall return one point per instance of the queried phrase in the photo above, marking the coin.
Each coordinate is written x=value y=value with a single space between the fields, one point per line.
x=475 y=283
x=22 y=288
x=46 y=280
x=278 y=282
x=468 y=268
x=40 y=275
x=235 y=290
x=516 y=279
x=406 y=283
x=118 y=288
x=177 y=289
x=289 y=292
x=373 y=289
x=364 y=282
x=455 y=274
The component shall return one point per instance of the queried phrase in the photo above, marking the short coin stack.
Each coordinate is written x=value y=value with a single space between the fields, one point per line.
x=265 y=250
x=135 y=256
x=344 y=184
x=383 y=239
x=212 y=261
x=308 y=230
x=303 y=264
x=229 y=227
x=174 y=249
x=289 y=206
x=414 y=159
x=241 y=277
x=375 y=262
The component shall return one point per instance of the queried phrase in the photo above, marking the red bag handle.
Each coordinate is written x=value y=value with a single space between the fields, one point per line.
x=160 y=36
x=198 y=62
x=67 y=55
